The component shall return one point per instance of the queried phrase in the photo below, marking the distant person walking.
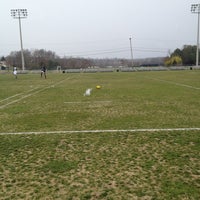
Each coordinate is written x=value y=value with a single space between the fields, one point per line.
x=43 y=71
x=15 y=72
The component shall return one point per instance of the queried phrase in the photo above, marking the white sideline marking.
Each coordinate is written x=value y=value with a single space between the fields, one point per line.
x=175 y=83
x=103 y=131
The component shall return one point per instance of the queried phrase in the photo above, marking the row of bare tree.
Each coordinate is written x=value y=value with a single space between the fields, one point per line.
x=34 y=59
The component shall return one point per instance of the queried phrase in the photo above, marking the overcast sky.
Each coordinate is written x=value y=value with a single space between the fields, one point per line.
x=99 y=28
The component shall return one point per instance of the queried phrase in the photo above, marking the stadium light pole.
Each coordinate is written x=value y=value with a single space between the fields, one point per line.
x=195 y=8
x=131 y=50
x=20 y=14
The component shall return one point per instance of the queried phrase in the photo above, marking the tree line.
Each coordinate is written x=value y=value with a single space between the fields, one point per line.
x=185 y=56
x=34 y=59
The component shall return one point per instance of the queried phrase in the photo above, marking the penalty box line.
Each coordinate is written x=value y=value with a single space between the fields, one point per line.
x=29 y=93
x=103 y=131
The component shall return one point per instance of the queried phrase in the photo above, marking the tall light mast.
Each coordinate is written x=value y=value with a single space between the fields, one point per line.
x=20 y=14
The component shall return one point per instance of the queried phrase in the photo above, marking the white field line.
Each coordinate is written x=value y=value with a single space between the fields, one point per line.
x=86 y=102
x=104 y=131
x=175 y=83
x=31 y=94
x=10 y=97
x=23 y=97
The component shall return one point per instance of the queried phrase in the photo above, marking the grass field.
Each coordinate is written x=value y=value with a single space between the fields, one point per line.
x=102 y=146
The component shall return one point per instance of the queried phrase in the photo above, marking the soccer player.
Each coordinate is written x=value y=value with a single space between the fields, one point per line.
x=15 y=72
x=43 y=71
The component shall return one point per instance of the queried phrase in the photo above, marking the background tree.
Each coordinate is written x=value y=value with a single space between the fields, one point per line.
x=177 y=52
x=173 y=61
x=14 y=59
x=34 y=58
x=187 y=54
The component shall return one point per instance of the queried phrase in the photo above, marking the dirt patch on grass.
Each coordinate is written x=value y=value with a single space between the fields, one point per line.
x=100 y=166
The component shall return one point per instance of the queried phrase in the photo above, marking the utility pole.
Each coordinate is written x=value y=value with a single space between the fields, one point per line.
x=20 y=14
x=131 y=51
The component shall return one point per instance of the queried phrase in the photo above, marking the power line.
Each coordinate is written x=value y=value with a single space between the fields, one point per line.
x=110 y=51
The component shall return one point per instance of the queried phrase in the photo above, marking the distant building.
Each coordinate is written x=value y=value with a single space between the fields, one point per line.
x=3 y=64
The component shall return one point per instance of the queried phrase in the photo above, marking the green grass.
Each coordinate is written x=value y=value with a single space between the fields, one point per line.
x=121 y=165
x=126 y=101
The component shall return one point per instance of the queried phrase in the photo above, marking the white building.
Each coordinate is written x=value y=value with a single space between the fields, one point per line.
x=3 y=64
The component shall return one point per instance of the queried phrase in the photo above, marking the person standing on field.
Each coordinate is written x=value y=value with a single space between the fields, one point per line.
x=43 y=71
x=15 y=72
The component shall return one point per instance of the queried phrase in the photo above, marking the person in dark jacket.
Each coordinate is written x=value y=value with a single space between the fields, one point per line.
x=43 y=71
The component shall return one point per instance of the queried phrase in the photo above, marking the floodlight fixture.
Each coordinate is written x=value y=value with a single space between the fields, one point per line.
x=20 y=14
x=195 y=8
